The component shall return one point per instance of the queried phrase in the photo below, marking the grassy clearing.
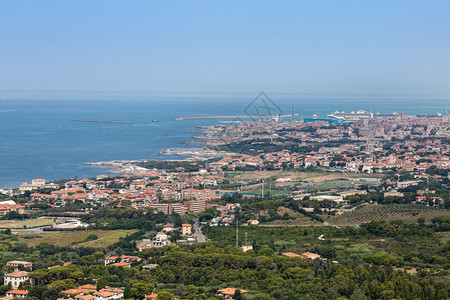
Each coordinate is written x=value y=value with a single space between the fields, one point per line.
x=105 y=238
x=19 y=224
x=330 y=184
x=407 y=212
x=300 y=219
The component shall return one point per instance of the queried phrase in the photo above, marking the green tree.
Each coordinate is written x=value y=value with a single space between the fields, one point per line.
x=165 y=296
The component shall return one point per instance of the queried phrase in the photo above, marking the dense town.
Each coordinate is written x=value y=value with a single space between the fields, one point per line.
x=274 y=173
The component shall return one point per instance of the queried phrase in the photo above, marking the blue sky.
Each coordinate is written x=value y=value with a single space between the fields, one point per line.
x=299 y=47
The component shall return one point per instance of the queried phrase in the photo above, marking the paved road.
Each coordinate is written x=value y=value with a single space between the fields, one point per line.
x=198 y=233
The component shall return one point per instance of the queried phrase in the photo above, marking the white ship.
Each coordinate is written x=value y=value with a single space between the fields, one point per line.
x=352 y=116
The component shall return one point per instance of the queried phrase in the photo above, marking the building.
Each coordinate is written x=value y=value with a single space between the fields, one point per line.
x=246 y=248
x=109 y=294
x=161 y=207
x=129 y=258
x=149 y=266
x=309 y=255
x=110 y=260
x=290 y=254
x=337 y=199
x=85 y=297
x=160 y=240
x=229 y=292
x=121 y=264
x=196 y=206
x=405 y=184
x=25 y=187
x=38 y=183
x=196 y=194
x=169 y=208
x=17 y=263
x=15 y=278
x=177 y=208
x=17 y=294
x=186 y=229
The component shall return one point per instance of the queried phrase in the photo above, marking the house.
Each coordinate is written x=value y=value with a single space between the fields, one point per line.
x=17 y=294
x=7 y=208
x=17 y=263
x=229 y=292
x=25 y=187
x=15 y=278
x=85 y=297
x=309 y=255
x=152 y=296
x=149 y=266
x=246 y=248
x=129 y=259
x=109 y=294
x=122 y=264
x=290 y=254
x=186 y=229
x=168 y=228
x=253 y=222
x=160 y=240
x=111 y=259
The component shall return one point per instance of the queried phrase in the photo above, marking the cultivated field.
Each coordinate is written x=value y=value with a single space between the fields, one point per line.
x=77 y=238
x=407 y=212
x=19 y=224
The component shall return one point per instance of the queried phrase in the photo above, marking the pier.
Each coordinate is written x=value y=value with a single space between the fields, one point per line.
x=110 y=122
x=234 y=117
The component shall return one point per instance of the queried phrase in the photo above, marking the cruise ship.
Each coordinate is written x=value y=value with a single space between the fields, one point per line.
x=352 y=116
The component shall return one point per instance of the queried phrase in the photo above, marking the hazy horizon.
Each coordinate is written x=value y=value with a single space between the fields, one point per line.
x=293 y=47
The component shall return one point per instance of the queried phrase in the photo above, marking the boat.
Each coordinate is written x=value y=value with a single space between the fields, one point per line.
x=154 y=121
x=359 y=115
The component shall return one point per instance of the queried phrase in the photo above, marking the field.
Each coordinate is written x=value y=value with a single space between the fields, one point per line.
x=407 y=212
x=18 y=224
x=76 y=238
x=300 y=219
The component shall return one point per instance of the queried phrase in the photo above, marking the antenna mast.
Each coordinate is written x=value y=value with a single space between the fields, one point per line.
x=262 y=188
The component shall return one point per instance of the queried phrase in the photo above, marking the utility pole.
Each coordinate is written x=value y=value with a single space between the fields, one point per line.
x=237 y=233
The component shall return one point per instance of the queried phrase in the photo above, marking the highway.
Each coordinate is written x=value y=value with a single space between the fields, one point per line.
x=198 y=232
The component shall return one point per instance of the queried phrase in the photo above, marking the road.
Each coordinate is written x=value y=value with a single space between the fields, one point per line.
x=198 y=232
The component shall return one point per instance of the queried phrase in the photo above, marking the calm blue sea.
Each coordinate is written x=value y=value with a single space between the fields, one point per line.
x=39 y=140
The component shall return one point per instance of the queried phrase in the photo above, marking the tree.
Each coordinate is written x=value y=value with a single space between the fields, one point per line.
x=237 y=295
x=101 y=283
x=139 y=290
x=21 y=247
x=165 y=296
x=192 y=290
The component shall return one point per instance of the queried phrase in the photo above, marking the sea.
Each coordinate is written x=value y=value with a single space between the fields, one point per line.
x=38 y=138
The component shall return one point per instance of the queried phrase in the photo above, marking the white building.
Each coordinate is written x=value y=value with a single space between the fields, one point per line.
x=15 y=278
x=337 y=199
x=160 y=240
